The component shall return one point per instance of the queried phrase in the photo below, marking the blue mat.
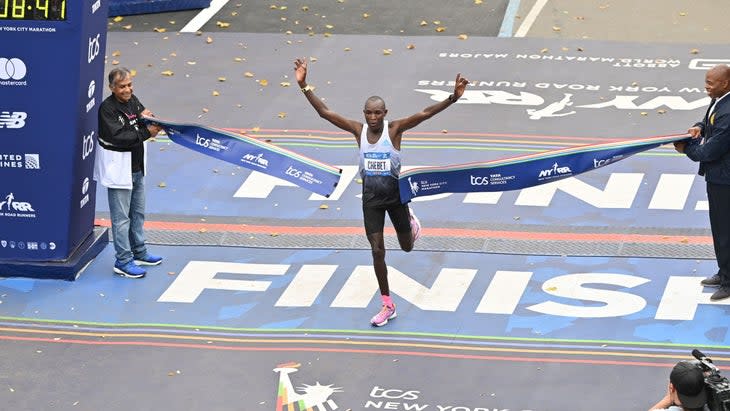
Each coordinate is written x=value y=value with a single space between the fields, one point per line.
x=127 y=7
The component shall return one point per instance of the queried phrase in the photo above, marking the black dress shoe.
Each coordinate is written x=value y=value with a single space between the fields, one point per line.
x=721 y=294
x=713 y=281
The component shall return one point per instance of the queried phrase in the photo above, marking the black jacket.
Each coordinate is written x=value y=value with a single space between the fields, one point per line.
x=713 y=149
x=121 y=128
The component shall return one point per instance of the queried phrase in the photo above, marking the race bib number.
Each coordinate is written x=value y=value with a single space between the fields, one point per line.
x=377 y=164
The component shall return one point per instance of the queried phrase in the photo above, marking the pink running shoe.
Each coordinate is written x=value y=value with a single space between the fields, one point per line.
x=415 y=225
x=386 y=313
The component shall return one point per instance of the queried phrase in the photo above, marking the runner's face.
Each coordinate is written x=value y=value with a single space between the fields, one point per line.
x=122 y=89
x=375 y=114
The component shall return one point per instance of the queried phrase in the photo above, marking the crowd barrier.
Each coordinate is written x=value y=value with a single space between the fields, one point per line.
x=129 y=7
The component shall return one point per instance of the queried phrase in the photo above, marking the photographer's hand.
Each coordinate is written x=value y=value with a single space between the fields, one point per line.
x=665 y=402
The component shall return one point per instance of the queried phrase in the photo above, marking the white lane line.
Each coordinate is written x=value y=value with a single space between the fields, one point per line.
x=531 y=16
x=206 y=14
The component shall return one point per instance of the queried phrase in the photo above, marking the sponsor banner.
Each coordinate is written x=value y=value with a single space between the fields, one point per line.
x=256 y=155
x=47 y=199
x=523 y=171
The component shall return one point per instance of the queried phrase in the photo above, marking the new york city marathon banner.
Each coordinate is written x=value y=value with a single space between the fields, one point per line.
x=520 y=172
x=254 y=154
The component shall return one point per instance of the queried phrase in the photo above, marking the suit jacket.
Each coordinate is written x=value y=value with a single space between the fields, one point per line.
x=713 y=149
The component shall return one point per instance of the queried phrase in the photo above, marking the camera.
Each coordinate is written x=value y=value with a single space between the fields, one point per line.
x=718 y=387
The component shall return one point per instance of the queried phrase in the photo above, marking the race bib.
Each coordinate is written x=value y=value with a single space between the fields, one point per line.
x=377 y=164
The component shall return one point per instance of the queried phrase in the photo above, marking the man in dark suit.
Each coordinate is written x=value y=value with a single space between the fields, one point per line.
x=710 y=146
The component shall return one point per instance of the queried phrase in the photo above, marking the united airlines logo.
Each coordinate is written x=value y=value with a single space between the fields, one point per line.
x=27 y=161
x=12 y=72
x=12 y=119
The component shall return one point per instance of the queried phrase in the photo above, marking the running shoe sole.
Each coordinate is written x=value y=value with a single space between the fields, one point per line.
x=126 y=274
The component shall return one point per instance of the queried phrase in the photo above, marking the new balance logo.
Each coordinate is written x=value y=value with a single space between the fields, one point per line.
x=15 y=119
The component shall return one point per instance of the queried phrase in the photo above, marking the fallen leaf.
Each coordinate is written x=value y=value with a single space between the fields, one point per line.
x=477 y=2
x=411 y=46
x=127 y=27
x=263 y=82
x=437 y=22
x=543 y=51
x=444 y=131
x=133 y=72
x=285 y=84
x=116 y=53
x=118 y=19
x=167 y=73
x=208 y=39
x=205 y=110
x=115 y=62
x=170 y=273
x=329 y=26
x=682 y=13
x=556 y=28
x=274 y=234
x=305 y=8
x=239 y=59
x=423 y=23
x=633 y=83
x=387 y=52
x=580 y=49
x=365 y=15
x=282 y=115
x=462 y=37
x=347 y=49
x=440 y=29
x=661 y=111
x=192 y=63
x=644 y=113
x=216 y=94
x=327 y=34
x=248 y=74
x=551 y=289
x=694 y=51
x=159 y=29
x=221 y=79
x=313 y=59
x=162 y=184
x=203 y=230
x=222 y=24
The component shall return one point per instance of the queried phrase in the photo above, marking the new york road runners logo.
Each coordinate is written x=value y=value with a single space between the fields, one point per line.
x=309 y=398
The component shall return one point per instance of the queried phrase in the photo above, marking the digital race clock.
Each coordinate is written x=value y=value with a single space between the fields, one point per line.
x=45 y=10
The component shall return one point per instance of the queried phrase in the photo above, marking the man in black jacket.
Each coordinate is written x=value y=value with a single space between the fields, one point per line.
x=120 y=167
x=710 y=146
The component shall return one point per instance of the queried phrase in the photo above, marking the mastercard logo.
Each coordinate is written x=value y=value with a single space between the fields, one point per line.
x=13 y=68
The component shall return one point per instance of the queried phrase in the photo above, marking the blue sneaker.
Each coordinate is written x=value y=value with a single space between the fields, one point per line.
x=129 y=270
x=148 y=259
